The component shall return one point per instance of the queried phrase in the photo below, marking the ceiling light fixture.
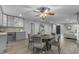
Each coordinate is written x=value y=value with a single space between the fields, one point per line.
x=43 y=12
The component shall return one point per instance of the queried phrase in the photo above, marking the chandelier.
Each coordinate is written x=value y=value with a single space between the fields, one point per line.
x=43 y=12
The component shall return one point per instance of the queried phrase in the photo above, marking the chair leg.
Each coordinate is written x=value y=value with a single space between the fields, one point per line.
x=34 y=50
x=28 y=45
x=41 y=51
x=59 y=49
x=46 y=51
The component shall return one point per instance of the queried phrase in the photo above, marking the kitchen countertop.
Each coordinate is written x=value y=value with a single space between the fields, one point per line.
x=4 y=33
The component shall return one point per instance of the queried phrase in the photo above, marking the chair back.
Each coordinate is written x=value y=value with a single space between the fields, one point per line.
x=52 y=33
x=59 y=39
x=37 y=39
x=29 y=37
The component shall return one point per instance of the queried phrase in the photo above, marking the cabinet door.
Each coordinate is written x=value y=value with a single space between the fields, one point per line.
x=3 y=41
x=1 y=20
x=0 y=16
x=18 y=22
x=10 y=21
x=4 y=20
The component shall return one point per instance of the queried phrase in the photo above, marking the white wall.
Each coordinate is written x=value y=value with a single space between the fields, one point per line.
x=54 y=28
x=26 y=27
x=47 y=28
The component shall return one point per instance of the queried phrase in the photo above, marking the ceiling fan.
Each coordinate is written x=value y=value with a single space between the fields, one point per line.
x=41 y=11
x=44 y=12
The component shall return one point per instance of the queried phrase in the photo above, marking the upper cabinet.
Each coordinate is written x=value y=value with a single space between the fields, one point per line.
x=15 y=21
x=0 y=16
x=10 y=20
x=4 y=20
x=0 y=19
x=18 y=22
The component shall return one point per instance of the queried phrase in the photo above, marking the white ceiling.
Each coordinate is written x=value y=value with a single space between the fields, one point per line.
x=63 y=13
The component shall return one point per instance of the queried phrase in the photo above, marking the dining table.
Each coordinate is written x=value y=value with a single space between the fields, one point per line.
x=47 y=39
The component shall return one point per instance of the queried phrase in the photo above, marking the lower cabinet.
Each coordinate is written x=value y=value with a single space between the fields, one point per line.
x=13 y=36
x=20 y=35
x=3 y=43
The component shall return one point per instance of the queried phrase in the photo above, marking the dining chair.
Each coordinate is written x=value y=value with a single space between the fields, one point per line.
x=53 y=35
x=37 y=43
x=30 y=41
x=57 y=43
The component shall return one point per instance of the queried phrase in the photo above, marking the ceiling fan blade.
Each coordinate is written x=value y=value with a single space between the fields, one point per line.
x=45 y=11
x=49 y=14
x=37 y=15
x=36 y=10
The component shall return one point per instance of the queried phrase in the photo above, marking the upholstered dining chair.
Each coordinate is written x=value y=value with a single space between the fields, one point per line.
x=30 y=41
x=57 y=44
x=37 y=43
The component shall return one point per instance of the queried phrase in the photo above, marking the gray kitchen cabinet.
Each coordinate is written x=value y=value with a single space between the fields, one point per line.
x=11 y=36
x=20 y=35
x=10 y=21
x=0 y=16
x=3 y=42
x=4 y=20
x=1 y=20
x=18 y=22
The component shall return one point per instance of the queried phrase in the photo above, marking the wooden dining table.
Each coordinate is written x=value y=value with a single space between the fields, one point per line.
x=47 y=39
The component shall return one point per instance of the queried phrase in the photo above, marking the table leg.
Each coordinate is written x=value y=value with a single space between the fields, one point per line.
x=48 y=45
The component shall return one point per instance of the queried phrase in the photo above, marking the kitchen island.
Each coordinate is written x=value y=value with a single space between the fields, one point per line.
x=20 y=35
x=3 y=42
x=13 y=36
x=5 y=38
